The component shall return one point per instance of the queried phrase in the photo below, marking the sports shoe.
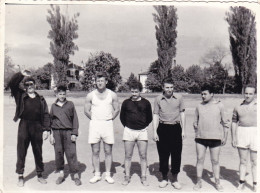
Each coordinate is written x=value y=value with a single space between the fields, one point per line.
x=219 y=187
x=42 y=181
x=176 y=185
x=197 y=186
x=163 y=184
x=126 y=180
x=60 y=180
x=144 y=181
x=95 y=179
x=77 y=181
x=20 y=182
x=241 y=186
x=109 y=179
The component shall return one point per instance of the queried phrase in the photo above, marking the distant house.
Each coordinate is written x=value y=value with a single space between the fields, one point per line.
x=74 y=74
x=142 y=78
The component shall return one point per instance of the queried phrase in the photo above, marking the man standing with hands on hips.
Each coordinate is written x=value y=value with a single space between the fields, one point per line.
x=101 y=107
x=169 y=131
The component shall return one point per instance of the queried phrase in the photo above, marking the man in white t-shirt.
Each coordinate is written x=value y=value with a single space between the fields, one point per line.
x=101 y=107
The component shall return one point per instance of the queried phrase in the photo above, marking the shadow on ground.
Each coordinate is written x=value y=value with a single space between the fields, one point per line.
x=225 y=174
x=49 y=168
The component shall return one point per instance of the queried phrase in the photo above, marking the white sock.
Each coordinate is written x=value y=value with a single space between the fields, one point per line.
x=97 y=173
x=107 y=173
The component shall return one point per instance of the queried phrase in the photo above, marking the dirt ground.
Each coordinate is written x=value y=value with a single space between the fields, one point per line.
x=229 y=159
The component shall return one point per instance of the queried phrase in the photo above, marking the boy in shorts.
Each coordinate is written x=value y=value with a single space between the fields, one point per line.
x=101 y=107
x=64 y=124
x=136 y=115
x=244 y=135
x=209 y=124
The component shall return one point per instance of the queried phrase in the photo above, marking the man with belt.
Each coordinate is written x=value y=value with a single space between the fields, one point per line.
x=169 y=131
x=34 y=125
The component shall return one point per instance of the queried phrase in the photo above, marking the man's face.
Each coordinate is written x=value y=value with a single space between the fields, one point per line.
x=29 y=86
x=135 y=93
x=101 y=83
x=249 y=94
x=206 y=96
x=168 y=89
x=61 y=96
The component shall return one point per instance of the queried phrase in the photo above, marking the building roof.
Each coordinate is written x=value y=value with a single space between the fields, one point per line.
x=71 y=65
x=144 y=73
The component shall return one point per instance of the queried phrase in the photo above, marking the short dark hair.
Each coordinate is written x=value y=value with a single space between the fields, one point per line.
x=167 y=80
x=136 y=85
x=207 y=87
x=101 y=75
x=250 y=86
x=61 y=88
x=29 y=79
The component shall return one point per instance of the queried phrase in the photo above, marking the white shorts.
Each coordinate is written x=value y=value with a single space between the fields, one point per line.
x=135 y=135
x=101 y=130
x=247 y=137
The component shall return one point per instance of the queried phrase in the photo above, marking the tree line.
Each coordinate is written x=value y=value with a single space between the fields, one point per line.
x=242 y=34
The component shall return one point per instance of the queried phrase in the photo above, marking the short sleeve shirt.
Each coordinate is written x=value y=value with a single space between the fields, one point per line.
x=245 y=115
x=169 y=109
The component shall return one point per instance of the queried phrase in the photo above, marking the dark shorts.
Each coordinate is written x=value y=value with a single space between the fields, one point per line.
x=209 y=142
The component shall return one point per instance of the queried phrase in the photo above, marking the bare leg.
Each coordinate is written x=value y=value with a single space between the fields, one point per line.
x=214 y=155
x=129 y=147
x=243 y=162
x=253 y=156
x=142 y=148
x=95 y=156
x=201 y=151
x=108 y=156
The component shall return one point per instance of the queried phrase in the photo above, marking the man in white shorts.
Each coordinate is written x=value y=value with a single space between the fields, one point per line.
x=136 y=115
x=101 y=107
x=244 y=135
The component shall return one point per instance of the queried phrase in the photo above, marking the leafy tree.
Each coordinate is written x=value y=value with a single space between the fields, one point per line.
x=8 y=67
x=178 y=75
x=42 y=76
x=132 y=78
x=242 y=35
x=195 y=77
x=166 y=34
x=104 y=62
x=153 y=82
x=125 y=87
x=62 y=34
x=216 y=56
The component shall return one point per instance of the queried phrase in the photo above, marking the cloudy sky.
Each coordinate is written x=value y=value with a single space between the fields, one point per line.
x=125 y=31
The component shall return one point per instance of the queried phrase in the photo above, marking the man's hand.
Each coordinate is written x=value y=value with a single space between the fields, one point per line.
x=26 y=72
x=155 y=137
x=234 y=143
x=52 y=140
x=45 y=135
x=73 y=138
x=223 y=141
x=183 y=135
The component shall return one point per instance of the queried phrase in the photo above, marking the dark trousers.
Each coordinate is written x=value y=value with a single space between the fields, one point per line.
x=29 y=132
x=170 y=143
x=63 y=144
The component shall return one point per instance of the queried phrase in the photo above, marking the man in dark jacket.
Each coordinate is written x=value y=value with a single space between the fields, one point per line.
x=34 y=125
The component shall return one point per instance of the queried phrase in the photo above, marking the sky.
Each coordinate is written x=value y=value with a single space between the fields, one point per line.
x=125 y=31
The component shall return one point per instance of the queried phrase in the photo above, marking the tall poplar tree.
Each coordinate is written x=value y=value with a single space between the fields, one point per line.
x=242 y=35
x=62 y=34
x=166 y=34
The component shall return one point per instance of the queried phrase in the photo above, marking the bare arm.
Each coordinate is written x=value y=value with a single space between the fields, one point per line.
x=115 y=104
x=225 y=122
x=155 y=126
x=87 y=106
x=233 y=133
x=183 y=123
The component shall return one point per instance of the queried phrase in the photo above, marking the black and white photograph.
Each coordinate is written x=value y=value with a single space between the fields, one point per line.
x=129 y=96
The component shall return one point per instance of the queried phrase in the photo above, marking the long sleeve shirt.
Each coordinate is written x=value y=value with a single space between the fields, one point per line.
x=136 y=114
x=64 y=117
x=210 y=119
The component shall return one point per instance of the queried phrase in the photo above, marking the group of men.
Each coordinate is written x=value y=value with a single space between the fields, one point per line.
x=211 y=126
